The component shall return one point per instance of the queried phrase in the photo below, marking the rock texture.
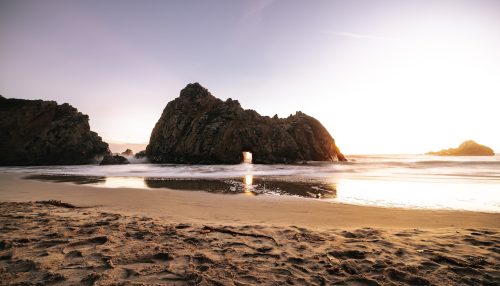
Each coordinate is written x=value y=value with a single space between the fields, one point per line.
x=468 y=148
x=140 y=154
x=198 y=128
x=37 y=132
x=114 y=160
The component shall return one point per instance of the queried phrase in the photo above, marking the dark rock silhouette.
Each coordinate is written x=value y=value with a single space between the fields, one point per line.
x=114 y=160
x=127 y=152
x=37 y=132
x=140 y=154
x=198 y=128
x=468 y=148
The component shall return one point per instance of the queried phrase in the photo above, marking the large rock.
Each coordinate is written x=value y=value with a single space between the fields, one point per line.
x=37 y=132
x=198 y=128
x=468 y=148
x=114 y=160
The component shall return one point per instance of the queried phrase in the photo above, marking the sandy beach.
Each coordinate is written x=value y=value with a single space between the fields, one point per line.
x=166 y=237
x=251 y=142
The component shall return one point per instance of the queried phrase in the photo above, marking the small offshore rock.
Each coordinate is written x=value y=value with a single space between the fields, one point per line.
x=114 y=160
x=468 y=148
x=127 y=152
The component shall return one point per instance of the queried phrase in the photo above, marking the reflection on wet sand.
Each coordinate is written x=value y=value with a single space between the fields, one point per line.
x=409 y=181
x=410 y=194
x=417 y=194
x=249 y=185
x=213 y=186
x=125 y=182
x=79 y=180
x=293 y=187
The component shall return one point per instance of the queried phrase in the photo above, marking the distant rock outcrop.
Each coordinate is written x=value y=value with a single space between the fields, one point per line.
x=198 y=128
x=37 y=132
x=127 y=152
x=114 y=160
x=468 y=148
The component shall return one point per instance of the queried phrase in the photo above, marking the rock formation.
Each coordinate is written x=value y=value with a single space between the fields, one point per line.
x=127 y=152
x=140 y=154
x=114 y=160
x=468 y=148
x=198 y=128
x=37 y=132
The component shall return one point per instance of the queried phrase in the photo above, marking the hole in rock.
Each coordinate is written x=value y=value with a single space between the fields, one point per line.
x=247 y=157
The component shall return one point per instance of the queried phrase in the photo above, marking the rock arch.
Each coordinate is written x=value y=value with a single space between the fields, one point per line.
x=198 y=128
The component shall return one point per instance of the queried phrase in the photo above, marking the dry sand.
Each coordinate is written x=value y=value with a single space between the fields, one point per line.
x=163 y=237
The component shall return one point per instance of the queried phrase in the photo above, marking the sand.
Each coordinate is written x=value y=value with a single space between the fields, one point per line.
x=163 y=237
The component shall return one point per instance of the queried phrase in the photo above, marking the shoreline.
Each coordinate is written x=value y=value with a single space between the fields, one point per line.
x=198 y=206
x=103 y=236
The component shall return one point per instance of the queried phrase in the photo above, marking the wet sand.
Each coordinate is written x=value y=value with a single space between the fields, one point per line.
x=163 y=237
x=201 y=207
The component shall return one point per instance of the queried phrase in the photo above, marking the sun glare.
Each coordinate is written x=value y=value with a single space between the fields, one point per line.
x=248 y=180
x=247 y=157
x=125 y=182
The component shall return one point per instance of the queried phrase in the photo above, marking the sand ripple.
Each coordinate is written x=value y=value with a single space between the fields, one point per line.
x=58 y=244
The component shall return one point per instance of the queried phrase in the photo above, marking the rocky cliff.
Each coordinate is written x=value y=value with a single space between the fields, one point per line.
x=37 y=132
x=198 y=128
x=468 y=148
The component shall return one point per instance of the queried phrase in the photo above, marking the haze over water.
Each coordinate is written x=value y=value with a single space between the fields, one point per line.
x=410 y=181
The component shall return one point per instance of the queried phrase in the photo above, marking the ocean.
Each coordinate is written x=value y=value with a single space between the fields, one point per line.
x=406 y=181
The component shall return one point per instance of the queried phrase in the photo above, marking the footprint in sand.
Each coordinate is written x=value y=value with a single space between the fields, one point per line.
x=85 y=244
x=348 y=254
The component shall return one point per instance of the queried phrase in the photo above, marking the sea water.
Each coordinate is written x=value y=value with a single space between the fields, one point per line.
x=409 y=181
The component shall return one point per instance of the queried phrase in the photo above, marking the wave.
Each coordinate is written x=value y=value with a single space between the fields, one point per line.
x=393 y=181
x=396 y=167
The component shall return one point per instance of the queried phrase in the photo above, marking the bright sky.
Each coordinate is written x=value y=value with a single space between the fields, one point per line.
x=382 y=76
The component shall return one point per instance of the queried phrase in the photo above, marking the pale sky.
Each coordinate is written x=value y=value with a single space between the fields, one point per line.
x=382 y=76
